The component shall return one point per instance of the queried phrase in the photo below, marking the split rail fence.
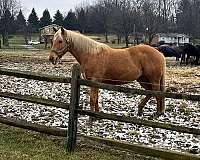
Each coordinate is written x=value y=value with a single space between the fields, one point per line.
x=75 y=110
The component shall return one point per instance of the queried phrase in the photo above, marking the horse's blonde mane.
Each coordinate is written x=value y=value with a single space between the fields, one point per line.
x=83 y=43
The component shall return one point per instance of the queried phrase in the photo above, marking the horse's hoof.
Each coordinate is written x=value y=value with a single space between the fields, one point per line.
x=93 y=119
x=156 y=115
x=153 y=116
x=140 y=113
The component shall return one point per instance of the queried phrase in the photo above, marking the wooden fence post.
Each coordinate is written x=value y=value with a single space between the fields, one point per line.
x=74 y=103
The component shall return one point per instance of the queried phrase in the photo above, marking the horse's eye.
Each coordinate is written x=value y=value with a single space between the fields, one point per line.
x=60 y=41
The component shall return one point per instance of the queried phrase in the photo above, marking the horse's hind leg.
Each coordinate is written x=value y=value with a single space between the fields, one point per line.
x=142 y=104
x=146 y=85
x=160 y=100
x=94 y=99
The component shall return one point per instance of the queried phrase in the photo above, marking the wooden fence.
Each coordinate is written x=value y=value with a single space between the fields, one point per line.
x=74 y=110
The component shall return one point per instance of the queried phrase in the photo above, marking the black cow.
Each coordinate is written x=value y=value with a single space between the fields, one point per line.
x=188 y=51
x=170 y=51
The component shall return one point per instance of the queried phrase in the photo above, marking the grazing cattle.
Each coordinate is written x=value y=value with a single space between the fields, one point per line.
x=188 y=51
x=170 y=51
x=102 y=63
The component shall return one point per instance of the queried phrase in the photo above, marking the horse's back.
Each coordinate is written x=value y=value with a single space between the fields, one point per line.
x=146 y=52
x=151 y=60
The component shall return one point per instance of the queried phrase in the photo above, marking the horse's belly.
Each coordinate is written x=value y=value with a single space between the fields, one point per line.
x=122 y=75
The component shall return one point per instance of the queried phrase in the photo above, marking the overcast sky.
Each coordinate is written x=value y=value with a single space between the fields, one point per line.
x=52 y=5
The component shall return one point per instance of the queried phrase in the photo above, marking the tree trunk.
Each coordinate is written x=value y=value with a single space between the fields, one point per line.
x=106 y=36
x=5 y=38
x=26 y=39
x=118 y=39
x=126 y=41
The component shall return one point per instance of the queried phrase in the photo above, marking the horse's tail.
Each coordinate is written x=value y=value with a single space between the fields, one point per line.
x=162 y=85
x=162 y=82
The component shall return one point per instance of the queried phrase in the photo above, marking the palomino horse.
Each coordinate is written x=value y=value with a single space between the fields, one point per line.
x=102 y=63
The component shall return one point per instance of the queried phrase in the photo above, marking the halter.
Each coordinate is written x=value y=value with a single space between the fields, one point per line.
x=63 y=50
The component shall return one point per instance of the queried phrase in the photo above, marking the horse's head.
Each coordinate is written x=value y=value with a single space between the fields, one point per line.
x=60 y=45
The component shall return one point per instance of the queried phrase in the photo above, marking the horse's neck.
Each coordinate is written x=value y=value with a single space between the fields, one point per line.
x=82 y=47
x=77 y=55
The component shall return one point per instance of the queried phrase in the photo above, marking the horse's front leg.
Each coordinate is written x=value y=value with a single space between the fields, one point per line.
x=94 y=99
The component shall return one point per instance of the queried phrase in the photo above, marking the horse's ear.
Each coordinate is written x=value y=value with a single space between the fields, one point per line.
x=62 y=30
x=54 y=29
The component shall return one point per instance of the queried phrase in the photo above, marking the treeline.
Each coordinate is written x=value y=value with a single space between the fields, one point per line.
x=19 y=25
x=120 y=17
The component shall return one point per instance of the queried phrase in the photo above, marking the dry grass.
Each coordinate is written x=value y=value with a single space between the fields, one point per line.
x=18 y=144
x=183 y=78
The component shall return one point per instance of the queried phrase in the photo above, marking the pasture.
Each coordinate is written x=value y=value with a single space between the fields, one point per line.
x=178 y=79
x=18 y=144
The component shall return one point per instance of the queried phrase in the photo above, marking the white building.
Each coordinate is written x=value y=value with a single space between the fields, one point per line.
x=171 y=38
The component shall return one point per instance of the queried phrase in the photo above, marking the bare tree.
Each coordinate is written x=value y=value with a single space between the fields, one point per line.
x=124 y=18
x=127 y=17
x=158 y=16
x=12 y=5
x=101 y=15
x=196 y=18
x=150 y=19
x=7 y=7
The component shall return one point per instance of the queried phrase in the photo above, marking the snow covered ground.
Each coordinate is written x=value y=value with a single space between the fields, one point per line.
x=180 y=112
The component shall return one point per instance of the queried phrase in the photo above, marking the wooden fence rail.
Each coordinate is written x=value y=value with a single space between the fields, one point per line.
x=132 y=120
x=139 y=91
x=33 y=126
x=48 y=78
x=34 y=76
x=33 y=99
x=139 y=121
x=74 y=110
